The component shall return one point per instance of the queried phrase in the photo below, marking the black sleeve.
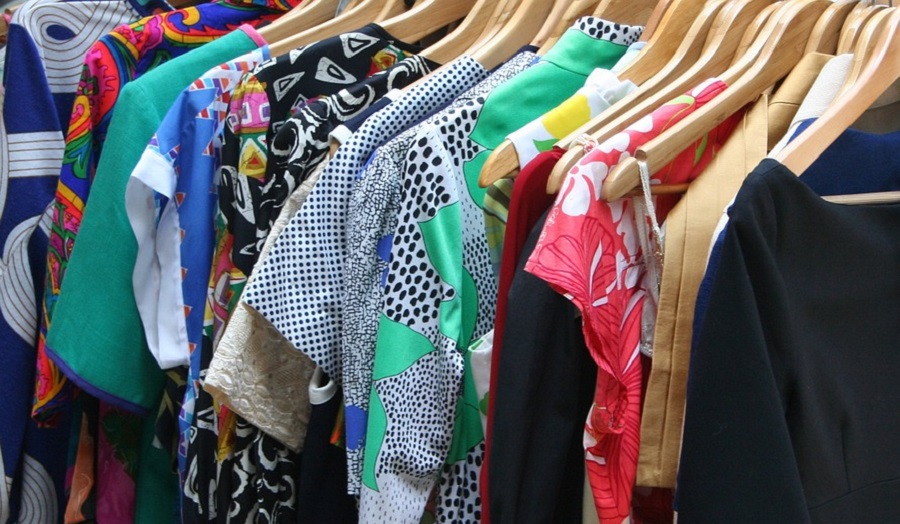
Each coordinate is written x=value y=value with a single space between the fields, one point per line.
x=737 y=460
x=545 y=384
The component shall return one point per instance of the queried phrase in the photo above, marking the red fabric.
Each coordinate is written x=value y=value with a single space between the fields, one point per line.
x=590 y=252
x=528 y=202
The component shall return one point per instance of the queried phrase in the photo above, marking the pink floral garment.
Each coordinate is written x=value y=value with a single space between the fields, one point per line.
x=590 y=252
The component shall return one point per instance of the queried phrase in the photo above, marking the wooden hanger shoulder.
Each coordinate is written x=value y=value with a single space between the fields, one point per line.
x=522 y=26
x=425 y=18
x=664 y=46
x=348 y=21
x=880 y=70
x=753 y=30
x=777 y=50
x=548 y=36
x=854 y=24
x=717 y=53
x=463 y=37
x=304 y=16
x=867 y=40
x=827 y=31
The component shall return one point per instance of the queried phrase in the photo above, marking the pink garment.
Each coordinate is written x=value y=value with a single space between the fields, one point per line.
x=590 y=251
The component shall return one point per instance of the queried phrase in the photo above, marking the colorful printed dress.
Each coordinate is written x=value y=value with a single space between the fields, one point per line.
x=113 y=61
x=372 y=222
x=233 y=467
x=299 y=286
x=590 y=251
x=45 y=60
x=167 y=199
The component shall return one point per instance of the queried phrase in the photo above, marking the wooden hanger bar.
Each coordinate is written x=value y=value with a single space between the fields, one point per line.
x=518 y=31
x=426 y=17
x=752 y=32
x=867 y=41
x=465 y=36
x=827 y=31
x=628 y=12
x=780 y=46
x=305 y=16
x=883 y=197
x=717 y=54
x=853 y=27
x=575 y=10
x=880 y=70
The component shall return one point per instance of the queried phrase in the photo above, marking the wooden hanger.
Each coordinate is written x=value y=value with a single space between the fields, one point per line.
x=854 y=24
x=879 y=68
x=351 y=19
x=827 y=31
x=524 y=24
x=633 y=12
x=481 y=18
x=665 y=44
x=717 y=55
x=866 y=41
x=754 y=29
x=778 y=49
x=426 y=18
x=304 y=16
x=504 y=161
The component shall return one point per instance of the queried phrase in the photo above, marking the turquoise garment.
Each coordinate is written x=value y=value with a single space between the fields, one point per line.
x=98 y=354
x=96 y=337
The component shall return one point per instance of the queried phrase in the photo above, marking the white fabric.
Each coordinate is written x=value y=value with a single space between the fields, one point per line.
x=629 y=56
x=319 y=395
x=481 y=352
x=157 y=277
x=154 y=290
x=819 y=98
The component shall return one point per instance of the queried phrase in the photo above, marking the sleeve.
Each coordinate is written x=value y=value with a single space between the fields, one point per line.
x=737 y=460
x=154 y=222
x=545 y=384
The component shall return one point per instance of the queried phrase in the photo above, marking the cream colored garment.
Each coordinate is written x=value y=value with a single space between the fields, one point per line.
x=784 y=104
x=689 y=228
x=822 y=93
x=255 y=371
x=663 y=412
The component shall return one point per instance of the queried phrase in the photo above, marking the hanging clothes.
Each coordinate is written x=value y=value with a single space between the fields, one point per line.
x=280 y=289
x=794 y=372
x=582 y=229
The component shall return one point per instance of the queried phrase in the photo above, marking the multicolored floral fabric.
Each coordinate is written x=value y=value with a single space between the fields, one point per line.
x=45 y=61
x=590 y=251
x=108 y=357
x=116 y=59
